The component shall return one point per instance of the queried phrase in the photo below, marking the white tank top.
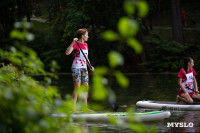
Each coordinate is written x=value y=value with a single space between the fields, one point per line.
x=188 y=82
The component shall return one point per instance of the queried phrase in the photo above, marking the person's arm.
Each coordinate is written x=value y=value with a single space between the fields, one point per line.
x=70 y=48
x=195 y=85
x=180 y=85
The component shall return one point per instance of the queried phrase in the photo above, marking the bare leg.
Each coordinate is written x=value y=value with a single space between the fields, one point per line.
x=179 y=98
x=86 y=94
x=74 y=95
x=186 y=98
x=196 y=96
x=85 y=98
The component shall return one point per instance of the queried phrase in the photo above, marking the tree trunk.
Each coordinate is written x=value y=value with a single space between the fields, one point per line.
x=177 y=32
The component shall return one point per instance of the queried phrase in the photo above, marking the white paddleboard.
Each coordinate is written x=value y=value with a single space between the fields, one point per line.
x=168 y=105
x=144 y=117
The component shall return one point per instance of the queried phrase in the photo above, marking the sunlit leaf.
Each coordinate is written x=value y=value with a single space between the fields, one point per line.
x=135 y=45
x=98 y=92
x=121 y=79
x=153 y=129
x=129 y=7
x=115 y=59
x=113 y=120
x=101 y=70
x=142 y=8
x=110 y=35
x=130 y=112
x=137 y=127
x=15 y=34
x=81 y=91
x=127 y=27
x=15 y=60
x=32 y=53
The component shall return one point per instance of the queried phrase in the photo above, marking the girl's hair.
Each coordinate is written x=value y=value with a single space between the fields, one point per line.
x=81 y=32
x=186 y=60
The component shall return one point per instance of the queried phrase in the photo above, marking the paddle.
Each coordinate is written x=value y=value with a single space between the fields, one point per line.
x=191 y=89
x=114 y=105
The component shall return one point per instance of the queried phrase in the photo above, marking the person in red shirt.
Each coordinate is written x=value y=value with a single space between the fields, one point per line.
x=183 y=17
x=79 y=65
x=186 y=82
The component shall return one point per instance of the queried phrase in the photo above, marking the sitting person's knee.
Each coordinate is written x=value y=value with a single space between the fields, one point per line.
x=190 y=101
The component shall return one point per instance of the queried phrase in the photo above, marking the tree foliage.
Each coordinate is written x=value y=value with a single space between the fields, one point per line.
x=13 y=10
x=164 y=55
x=66 y=16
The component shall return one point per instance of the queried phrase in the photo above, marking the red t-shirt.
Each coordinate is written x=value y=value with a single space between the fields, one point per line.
x=79 y=59
x=183 y=14
x=182 y=74
x=77 y=51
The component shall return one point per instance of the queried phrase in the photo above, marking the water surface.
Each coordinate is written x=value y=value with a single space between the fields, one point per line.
x=159 y=87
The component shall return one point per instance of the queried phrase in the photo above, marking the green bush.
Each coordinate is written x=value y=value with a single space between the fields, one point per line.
x=26 y=104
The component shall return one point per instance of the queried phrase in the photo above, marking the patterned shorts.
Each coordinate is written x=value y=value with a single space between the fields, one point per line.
x=80 y=75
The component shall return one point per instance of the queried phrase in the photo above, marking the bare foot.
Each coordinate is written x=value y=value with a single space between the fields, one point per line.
x=178 y=99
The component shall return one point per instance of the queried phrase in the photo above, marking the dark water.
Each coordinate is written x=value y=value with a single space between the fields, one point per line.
x=160 y=87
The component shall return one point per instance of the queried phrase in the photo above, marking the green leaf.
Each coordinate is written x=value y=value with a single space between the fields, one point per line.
x=54 y=66
x=153 y=129
x=129 y=7
x=17 y=35
x=137 y=127
x=135 y=45
x=113 y=120
x=142 y=8
x=121 y=79
x=127 y=27
x=110 y=35
x=81 y=91
x=115 y=59
x=99 y=92
x=101 y=70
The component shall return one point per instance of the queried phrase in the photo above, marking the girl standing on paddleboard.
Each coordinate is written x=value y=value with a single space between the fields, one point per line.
x=79 y=65
x=186 y=82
